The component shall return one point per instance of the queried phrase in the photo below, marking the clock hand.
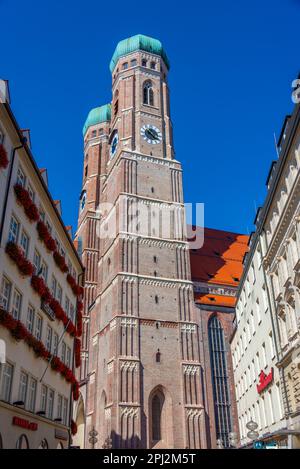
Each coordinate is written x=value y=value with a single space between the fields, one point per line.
x=151 y=132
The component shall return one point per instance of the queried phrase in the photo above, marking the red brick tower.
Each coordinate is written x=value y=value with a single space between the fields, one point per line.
x=144 y=377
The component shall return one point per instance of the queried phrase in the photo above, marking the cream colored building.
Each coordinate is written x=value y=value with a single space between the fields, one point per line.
x=35 y=400
x=268 y=308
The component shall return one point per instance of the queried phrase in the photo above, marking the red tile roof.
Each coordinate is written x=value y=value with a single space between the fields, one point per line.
x=218 y=262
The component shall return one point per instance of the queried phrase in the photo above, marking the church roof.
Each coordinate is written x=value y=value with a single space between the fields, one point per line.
x=138 y=42
x=218 y=262
x=96 y=116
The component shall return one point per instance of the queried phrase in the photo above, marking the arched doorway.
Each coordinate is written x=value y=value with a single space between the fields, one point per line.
x=78 y=439
x=60 y=446
x=43 y=444
x=22 y=442
x=160 y=418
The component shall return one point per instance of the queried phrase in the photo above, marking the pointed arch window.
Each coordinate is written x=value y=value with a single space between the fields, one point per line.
x=156 y=418
x=148 y=94
x=220 y=381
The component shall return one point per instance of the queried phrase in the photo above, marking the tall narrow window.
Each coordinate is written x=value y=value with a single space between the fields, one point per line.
x=148 y=95
x=220 y=380
x=156 y=418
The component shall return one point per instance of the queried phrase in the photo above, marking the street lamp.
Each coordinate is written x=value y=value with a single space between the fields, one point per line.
x=93 y=437
x=252 y=434
x=219 y=444
x=232 y=439
x=107 y=443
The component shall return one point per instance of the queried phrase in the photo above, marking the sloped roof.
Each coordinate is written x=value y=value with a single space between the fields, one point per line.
x=218 y=262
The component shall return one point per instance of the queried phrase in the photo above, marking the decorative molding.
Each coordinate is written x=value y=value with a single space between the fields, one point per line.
x=129 y=322
x=155 y=160
x=129 y=411
x=188 y=328
x=110 y=367
x=200 y=287
x=191 y=369
x=129 y=365
x=193 y=413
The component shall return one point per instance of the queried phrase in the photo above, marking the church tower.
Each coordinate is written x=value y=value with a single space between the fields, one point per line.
x=144 y=376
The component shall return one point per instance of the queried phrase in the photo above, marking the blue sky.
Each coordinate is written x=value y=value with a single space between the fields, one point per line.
x=232 y=64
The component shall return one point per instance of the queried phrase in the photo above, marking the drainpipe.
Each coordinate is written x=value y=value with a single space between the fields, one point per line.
x=12 y=160
x=272 y=306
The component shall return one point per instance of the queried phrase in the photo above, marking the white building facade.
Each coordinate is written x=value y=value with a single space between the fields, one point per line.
x=40 y=273
x=268 y=308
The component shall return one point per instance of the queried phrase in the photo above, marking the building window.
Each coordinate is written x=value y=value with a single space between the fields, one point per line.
x=133 y=63
x=31 y=192
x=36 y=261
x=49 y=338
x=22 y=442
x=220 y=382
x=153 y=65
x=55 y=343
x=50 y=403
x=59 y=294
x=43 y=404
x=13 y=230
x=144 y=63
x=125 y=65
x=6 y=385
x=72 y=313
x=67 y=305
x=65 y=411
x=53 y=286
x=63 y=352
x=158 y=355
x=21 y=177
x=38 y=327
x=24 y=243
x=23 y=387
x=44 y=271
x=32 y=394
x=156 y=409
x=17 y=304
x=59 y=406
x=30 y=319
x=6 y=293
x=68 y=359
x=148 y=95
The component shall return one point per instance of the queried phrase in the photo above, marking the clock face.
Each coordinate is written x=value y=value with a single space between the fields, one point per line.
x=151 y=134
x=114 y=145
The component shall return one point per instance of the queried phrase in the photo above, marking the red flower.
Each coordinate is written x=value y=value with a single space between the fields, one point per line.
x=25 y=267
x=75 y=389
x=3 y=157
x=22 y=196
x=42 y=231
x=19 y=332
x=38 y=284
x=16 y=254
x=71 y=280
x=77 y=346
x=50 y=244
x=60 y=261
x=46 y=296
x=32 y=212
x=73 y=427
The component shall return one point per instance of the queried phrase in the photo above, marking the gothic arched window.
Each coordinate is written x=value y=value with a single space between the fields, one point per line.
x=220 y=382
x=148 y=94
x=156 y=417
